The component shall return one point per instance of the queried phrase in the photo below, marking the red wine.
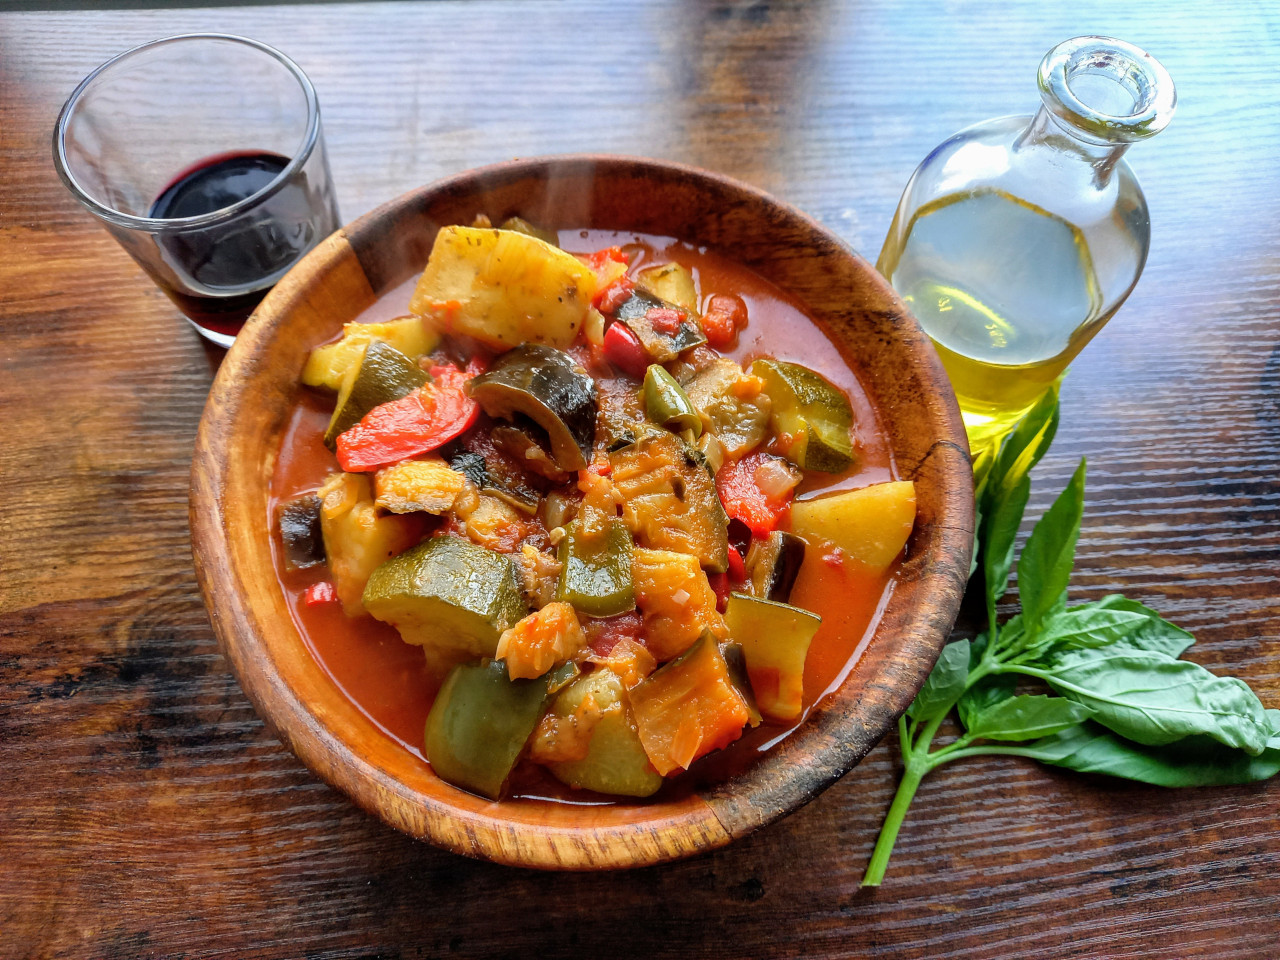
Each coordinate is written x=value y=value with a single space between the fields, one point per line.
x=230 y=266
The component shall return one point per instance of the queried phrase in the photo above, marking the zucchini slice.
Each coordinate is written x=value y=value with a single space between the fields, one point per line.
x=379 y=375
x=810 y=416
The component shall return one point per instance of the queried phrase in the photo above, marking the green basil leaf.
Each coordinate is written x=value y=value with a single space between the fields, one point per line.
x=1027 y=718
x=1193 y=762
x=1153 y=699
x=1045 y=565
x=1110 y=621
x=1027 y=442
x=999 y=535
x=945 y=684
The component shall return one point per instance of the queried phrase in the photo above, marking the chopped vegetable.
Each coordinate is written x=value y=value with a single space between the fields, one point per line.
x=427 y=485
x=426 y=419
x=541 y=640
x=775 y=639
x=480 y=722
x=321 y=592
x=451 y=597
x=504 y=288
x=357 y=538
x=725 y=316
x=676 y=599
x=870 y=525
x=688 y=708
x=810 y=416
x=667 y=405
x=595 y=574
x=520 y=225
x=380 y=374
x=670 y=499
x=544 y=385
x=595 y=708
x=492 y=523
x=300 y=532
x=738 y=484
x=626 y=656
x=623 y=349
x=669 y=337
x=326 y=366
x=671 y=282
x=773 y=564
x=732 y=404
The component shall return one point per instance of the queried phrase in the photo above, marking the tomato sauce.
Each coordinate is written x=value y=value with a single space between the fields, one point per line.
x=387 y=679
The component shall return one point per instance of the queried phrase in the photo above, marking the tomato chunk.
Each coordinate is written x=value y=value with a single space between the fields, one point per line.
x=744 y=500
x=623 y=349
x=724 y=317
x=425 y=419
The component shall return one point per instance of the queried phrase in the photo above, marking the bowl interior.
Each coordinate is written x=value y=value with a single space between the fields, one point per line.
x=258 y=384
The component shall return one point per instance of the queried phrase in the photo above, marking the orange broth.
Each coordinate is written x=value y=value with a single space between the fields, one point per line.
x=387 y=679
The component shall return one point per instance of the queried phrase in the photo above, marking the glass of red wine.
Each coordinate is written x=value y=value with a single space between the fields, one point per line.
x=203 y=156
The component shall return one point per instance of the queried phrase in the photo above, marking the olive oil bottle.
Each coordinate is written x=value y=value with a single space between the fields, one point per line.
x=1018 y=238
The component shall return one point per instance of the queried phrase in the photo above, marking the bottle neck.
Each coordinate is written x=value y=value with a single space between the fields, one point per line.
x=1047 y=132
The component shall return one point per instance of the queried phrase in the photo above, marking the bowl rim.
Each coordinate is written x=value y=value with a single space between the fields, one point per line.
x=710 y=818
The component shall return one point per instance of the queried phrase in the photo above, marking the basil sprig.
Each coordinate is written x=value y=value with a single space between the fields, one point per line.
x=1126 y=705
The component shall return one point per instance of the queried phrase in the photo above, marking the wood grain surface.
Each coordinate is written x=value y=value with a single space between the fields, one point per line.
x=145 y=811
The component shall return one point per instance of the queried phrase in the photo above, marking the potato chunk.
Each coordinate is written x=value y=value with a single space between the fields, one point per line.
x=357 y=539
x=504 y=288
x=870 y=525
x=540 y=641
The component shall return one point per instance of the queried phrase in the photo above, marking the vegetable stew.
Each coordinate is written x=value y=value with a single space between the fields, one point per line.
x=594 y=512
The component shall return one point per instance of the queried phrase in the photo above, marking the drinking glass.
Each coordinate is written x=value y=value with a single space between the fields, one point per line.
x=203 y=156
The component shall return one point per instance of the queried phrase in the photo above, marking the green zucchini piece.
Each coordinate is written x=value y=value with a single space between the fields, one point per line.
x=740 y=421
x=480 y=721
x=545 y=385
x=671 y=282
x=810 y=416
x=667 y=405
x=448 y=596
x=773 y=565
x=660 y=346
x=381 y=374
x=671 y=500
x=595 y=573
x=615 y=762
x=775 y=640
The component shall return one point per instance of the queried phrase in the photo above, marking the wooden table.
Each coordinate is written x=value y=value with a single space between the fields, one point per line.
x=146 y=812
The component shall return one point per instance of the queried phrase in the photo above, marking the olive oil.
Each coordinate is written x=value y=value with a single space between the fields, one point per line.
x=1007 y=292
x=1016 y=239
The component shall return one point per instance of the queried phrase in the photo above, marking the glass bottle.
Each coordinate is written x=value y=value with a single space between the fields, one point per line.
x=1018 y=238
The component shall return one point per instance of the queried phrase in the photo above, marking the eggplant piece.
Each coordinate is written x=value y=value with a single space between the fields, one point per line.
x=661 y=346
x=773 y=565
x=299 y=521
x=472 y=466
x=543 y=384
x=527 y=444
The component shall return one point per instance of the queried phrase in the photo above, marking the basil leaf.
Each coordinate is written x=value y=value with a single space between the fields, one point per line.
x=1027 y=442
x=1000 y=533
x=982 y=465
x=945 y=684
x=988 y=691
x=1045 y=565
x=1153 y=699
x=1194 y=762
x=1113 y=620
x=1026 y=718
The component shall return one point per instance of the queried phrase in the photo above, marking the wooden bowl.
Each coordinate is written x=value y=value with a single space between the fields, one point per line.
x=259 y=381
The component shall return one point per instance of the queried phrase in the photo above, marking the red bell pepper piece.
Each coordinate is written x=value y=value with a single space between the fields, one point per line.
x=623 y=349
x=744 y=500
x=425 y=419
x=596 y=261
x=318 y=593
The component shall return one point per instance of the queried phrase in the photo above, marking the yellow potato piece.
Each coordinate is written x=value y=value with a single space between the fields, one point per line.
x=504 y=288
x=870 y=525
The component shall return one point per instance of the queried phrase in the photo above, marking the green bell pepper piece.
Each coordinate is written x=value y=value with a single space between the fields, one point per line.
x=667 y=404
x=481 y=720
x=595 y=572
